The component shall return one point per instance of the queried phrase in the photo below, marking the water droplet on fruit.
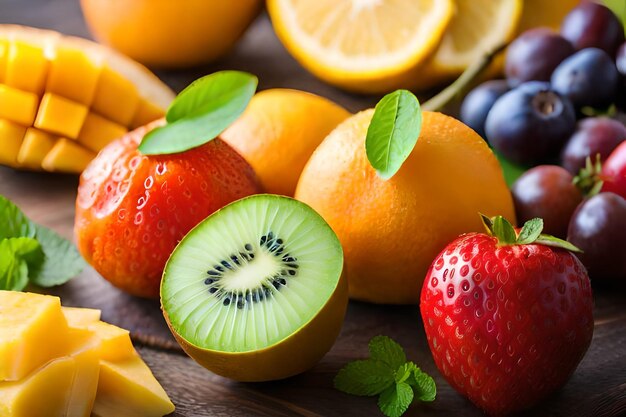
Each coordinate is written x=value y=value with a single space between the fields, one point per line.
x=465 y=285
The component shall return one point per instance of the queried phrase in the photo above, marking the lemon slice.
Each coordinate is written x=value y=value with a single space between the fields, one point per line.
x=477 y=27
x=361 y=45
x=545 y=13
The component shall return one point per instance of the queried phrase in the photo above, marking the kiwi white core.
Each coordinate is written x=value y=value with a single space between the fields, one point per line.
x=251 y=274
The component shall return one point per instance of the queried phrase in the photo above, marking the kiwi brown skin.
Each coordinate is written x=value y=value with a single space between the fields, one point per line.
x=291 y=356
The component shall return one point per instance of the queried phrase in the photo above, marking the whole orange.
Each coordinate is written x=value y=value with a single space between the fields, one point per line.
x=169 y=33
x=133 y=209
x=392 y=230
x=279 y=131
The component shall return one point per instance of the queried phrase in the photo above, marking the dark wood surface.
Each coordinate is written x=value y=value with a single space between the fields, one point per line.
x=598 y=388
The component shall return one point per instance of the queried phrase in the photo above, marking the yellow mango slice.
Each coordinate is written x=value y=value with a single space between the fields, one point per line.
x=128 y=389
x=11 y=137
x=44 y=394
x=80 y=317
x=97 y=132
x=4 y=53
x=34 y=148
x=67 y=156
x=33 y=330
x=146 y=113
x=66 y=386
x=60 y=116
x=73 y=75
x=18 y=106
x=27 y=67
x=116 y=97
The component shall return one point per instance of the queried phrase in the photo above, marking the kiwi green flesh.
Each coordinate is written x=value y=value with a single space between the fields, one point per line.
x=251 y=274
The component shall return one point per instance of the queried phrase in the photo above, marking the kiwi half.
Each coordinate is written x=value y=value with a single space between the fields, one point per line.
x=256 y=292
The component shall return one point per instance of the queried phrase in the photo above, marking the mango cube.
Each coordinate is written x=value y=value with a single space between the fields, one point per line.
x=33 y=331
x=146 y=113
x=27 y=67
x=97 y=132
x=11 y=137
x=18 y=106
x=67 y=156
x=46 y=393
x=127 y=389
x=74 y=75
x=116 y=98
x=80 y=317
x=34 y=148
x=60 y=116
x=4 y=53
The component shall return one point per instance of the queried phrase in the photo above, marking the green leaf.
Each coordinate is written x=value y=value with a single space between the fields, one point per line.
x=62 y=261
x=555 y=242
x=510 y=170
x=13 y=223
x=530 y=231
x=504 y=231
x=393 y=132
x=395 y=400
x=17 y=256
x=423 y=385
x=386 y=350
x=365 y=377
x=487 y=223
x=404 y=372
x=201 y=112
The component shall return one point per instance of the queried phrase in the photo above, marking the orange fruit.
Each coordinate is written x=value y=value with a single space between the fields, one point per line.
x=392 y=230
x=279 y=131
x=167 y=33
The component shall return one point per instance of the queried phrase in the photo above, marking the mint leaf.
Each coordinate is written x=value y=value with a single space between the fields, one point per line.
x=17 y=256
x=365 y=377
x=530 y=231
x=59 y=260
x=393 y=132
x=404 y=372
x=386 y=350
x=395 y=400
x=555 y=242
x=423 y=385
x=504 y=231
x=201 y=112
x=61 y=263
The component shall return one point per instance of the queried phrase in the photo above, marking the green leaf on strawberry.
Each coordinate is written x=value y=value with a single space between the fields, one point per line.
x=201 y=112
x=387 y=373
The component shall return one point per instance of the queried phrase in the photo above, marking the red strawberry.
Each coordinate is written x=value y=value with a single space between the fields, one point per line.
x=614 y=171
x=133 y=209
x=507 y=318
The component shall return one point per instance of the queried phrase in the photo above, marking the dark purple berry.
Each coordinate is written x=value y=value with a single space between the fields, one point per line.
x=592 y=25
x=587 y=78
x=479 y=101
x=530 y=124
x=534 y=55
x=595 y=135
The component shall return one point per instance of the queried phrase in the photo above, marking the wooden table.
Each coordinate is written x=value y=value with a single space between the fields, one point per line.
x=598 y=388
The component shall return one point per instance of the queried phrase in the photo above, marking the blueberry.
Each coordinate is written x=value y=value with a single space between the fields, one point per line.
x=479 y=101
x=587 y=78
x=529 y=124
x=534 y=55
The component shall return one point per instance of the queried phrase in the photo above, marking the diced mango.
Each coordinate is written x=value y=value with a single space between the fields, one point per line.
x=128 y=389
x=146 y=113
x=35 y=147
x=27 y=67
x=116 y=98
x=11 y=137
x=67 y=156
x=43 y=394
x=4 y=53
x=97 y=132
x=84 y=349
x=73 y=75
x=18 y=106
x=33 y=330
x=80 y=317
x=60 y=116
